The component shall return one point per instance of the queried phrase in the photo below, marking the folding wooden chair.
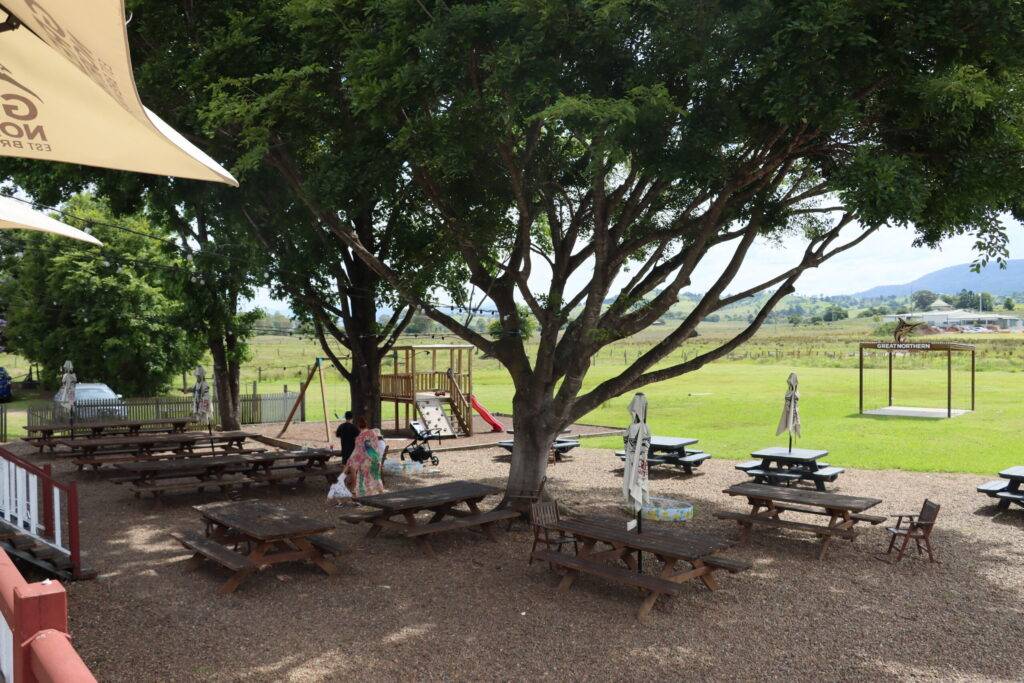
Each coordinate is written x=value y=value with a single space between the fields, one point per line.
x=543 y=516
x=919 y=528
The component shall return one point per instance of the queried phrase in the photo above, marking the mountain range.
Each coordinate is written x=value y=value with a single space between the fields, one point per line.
x=992 y=279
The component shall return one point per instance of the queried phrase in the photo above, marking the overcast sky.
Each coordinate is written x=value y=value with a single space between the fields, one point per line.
x=887 y=257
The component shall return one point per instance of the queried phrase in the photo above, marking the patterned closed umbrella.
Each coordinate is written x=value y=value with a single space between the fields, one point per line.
x=66 y=393
x=790 y=420
x=201 y=397
x=638 y=443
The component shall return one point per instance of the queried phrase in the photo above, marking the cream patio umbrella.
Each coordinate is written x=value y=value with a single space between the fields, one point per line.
x=67 y=93
x=790 y=420
x=15 y=215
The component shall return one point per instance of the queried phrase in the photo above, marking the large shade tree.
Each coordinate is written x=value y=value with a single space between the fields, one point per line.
x=573 y=153
x=268 y=90
x=118 y=314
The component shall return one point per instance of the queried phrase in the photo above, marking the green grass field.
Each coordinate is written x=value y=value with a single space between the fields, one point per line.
x=733 y=405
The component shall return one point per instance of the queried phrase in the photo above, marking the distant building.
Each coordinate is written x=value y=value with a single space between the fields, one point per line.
x=940 y=305
x=960 y=318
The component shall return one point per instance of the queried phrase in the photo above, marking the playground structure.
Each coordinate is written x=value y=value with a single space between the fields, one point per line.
x=435 y=381
x=901 y=346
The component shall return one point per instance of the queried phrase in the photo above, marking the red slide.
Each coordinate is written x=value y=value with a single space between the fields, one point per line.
x=488 y=418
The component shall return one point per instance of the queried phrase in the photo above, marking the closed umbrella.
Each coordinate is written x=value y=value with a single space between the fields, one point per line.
x=637 y=444
x=66 y=393
x=790 y=420
x=67 y=93
x=15 y=215
x=201 y=397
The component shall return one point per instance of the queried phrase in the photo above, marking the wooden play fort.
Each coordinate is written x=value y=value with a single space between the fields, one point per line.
x=432 y=381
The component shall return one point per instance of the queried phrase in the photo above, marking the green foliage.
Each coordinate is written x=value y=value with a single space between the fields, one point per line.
x=119 y=315
x=1008 y=304
x=923 y=299
x=524 y=330
x=834 y=313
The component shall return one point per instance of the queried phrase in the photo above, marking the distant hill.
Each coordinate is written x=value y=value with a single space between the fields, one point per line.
x=992 y=279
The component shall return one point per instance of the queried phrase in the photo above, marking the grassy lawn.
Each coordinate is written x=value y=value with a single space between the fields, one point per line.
x=733 y=405
x=734 y=408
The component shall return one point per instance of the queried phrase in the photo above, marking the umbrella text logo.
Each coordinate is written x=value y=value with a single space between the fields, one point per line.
x=17 y=128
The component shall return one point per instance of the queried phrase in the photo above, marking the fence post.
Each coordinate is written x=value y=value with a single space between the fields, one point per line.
x=302 y=408
x=48 y=516
x=37 y=606
x=76 y=556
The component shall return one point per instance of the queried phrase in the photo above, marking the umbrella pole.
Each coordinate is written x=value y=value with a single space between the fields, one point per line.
x=639 y=554
x=791 y=442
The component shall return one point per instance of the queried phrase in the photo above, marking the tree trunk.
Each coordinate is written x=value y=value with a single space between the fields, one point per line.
x=364 y=382
x=226 y=380
x=531 y=445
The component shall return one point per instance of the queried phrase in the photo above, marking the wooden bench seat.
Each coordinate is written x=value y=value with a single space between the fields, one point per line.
x=326 y=545
x=748 y=465
x=359 y=516
x=1017 y=496
x=859 y=516
x=212 y=550
x=746 y=520
x=991 y=488
x=607 y=571
x=464 y=522
x=729 y=564
x=159 y=487
x=771 y=474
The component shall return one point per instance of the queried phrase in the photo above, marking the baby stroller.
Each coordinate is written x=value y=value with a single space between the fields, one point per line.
x=419 y=450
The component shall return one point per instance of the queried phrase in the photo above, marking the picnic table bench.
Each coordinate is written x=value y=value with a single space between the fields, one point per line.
x=671 y=450
x=271 y=533
x=96 y=428
x=397 y=510
x=670 y=547
x=767 y=503
x=1007 y=489
x=781 y=466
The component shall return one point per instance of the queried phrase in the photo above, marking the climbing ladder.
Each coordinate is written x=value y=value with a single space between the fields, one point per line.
x=435 y=419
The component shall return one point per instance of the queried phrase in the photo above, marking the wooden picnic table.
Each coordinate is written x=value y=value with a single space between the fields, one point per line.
x=273 y=535
x=697 y=552
x=671 y=450
x=767 y=503
x=780 y=465
x=225 y=472
x=97 y=428
x=147 y=444
x=398 y=510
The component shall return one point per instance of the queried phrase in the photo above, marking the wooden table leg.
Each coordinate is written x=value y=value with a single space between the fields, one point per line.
x=255 y=557
x=315 y=556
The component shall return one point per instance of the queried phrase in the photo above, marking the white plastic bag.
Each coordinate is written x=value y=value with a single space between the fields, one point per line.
x=338 y=490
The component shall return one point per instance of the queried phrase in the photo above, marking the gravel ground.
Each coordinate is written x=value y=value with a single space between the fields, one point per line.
x=477 y=611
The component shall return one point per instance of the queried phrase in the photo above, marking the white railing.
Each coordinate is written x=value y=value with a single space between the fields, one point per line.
x=37 y=505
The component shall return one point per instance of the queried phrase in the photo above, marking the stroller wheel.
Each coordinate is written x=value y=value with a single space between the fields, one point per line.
x=434 y=461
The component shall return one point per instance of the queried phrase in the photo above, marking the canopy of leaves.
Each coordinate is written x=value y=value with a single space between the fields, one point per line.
x=117 y=315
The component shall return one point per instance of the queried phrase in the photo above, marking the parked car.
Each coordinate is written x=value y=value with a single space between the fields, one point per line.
x=97 y=400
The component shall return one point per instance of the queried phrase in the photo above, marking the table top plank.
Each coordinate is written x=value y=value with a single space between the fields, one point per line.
x=1013 y=473
x=783 y=454
x=262 y=521
x=676 y=543
x=429 y=496
x=181 y=465
x=148 y=439
x=671 y=443
x=110 y=424
x=824 y=499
